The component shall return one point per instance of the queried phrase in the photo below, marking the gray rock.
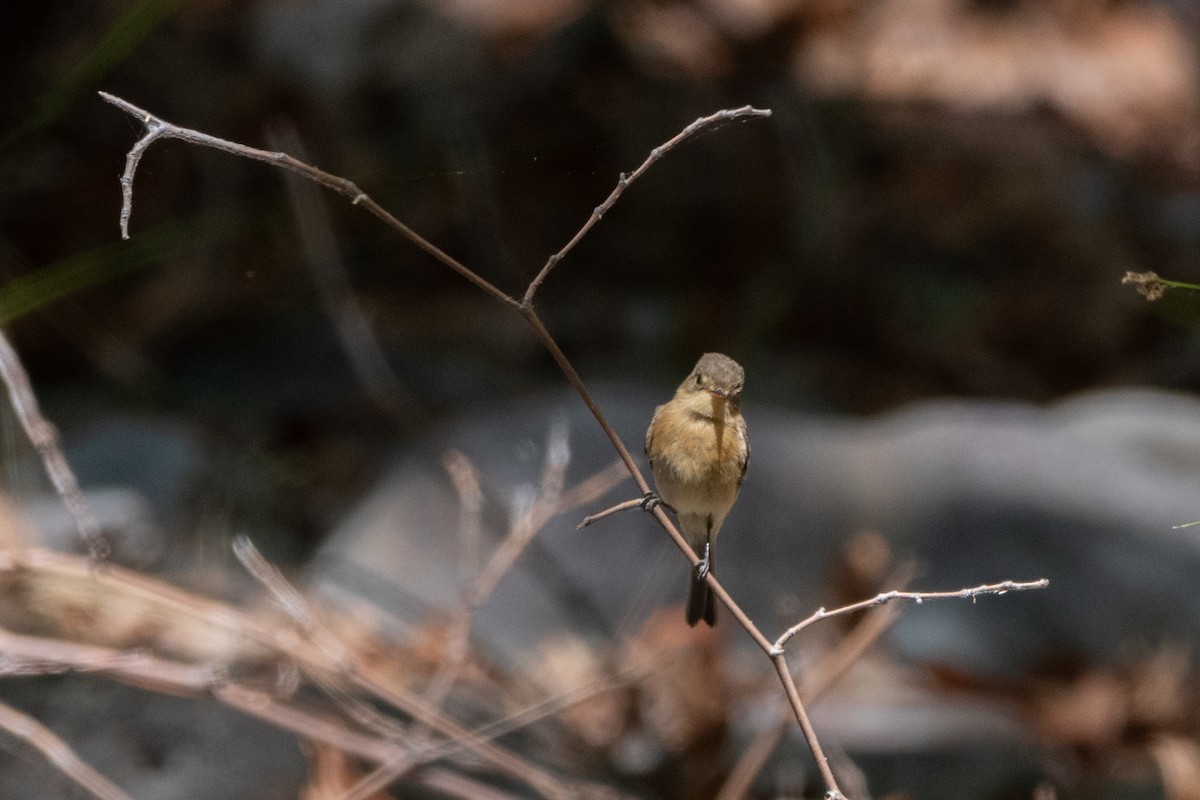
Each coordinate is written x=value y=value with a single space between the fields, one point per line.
x=1084 y=492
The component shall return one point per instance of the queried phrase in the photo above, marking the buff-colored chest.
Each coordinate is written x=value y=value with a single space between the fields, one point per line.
x=697 y=449
x=698 y=462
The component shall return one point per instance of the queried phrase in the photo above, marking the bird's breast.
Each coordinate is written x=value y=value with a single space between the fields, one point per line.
x=698 y=461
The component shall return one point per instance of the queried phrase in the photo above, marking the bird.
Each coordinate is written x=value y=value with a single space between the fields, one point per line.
x=698 y=451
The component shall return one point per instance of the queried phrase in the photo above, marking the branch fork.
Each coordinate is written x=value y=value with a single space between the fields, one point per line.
x=157 y=128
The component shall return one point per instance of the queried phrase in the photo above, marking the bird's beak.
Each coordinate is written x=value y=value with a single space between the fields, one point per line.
x=718 y=393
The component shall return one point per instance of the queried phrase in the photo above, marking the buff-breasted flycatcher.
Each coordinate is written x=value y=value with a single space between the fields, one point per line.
x=698 y=453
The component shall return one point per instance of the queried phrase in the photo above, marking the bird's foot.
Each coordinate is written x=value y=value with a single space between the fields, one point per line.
x=651 y=501
x=701 y=567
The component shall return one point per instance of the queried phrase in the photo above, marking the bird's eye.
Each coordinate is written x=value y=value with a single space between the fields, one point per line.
x=699 y=381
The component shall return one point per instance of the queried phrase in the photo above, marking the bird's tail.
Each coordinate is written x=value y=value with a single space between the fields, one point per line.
x=701 y=604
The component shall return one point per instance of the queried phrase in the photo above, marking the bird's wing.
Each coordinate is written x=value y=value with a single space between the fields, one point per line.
x=650 y=434
x=741 y=432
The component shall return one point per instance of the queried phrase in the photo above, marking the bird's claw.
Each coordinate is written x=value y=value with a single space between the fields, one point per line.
x=651 y=501
x=701 y=567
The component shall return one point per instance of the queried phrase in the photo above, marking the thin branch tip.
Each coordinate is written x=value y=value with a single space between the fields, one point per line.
x=883 y=598
x=623 y=182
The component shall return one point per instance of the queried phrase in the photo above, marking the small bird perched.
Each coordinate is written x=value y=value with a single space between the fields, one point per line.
x=698 y=454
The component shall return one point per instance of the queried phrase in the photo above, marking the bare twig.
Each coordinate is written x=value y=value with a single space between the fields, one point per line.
x=554 y=465
x=1004 y=587
x=619 y=507
x=818 y=680
x=501 y=759
x=30 y=655
x=531 y=518
x=157 y=128
x=188 y=620
x=45 y=440
x=425 y=713
x=35 y=655
x=297 y=607
x=828 y=671
x=623 y=183
x=286 y=595
x=58 y=753
x=386 y=773
x=779 y=660
x=530 y=515
x=465 y=478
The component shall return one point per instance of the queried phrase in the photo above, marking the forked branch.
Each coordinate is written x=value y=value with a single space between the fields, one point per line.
x=624 y=180
x=1003 y=587
x=157 y=128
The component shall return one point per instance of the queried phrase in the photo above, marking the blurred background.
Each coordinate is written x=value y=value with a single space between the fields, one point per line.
x=941 y=206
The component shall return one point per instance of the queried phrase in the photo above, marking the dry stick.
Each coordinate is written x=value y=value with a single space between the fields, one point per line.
x=383 y=751
x=32 y=655
x=385 y=774
x=428 y=715
x=637 y=502
x=157 y=128
x=58 y=753
x=524 y=527
x=45 y=440
x=820 y=679
x=779 y=658
x=316 y=727
x=465 y=479
x=659 y=513
x=1003 y=587
x=36 y=655
x=298 y=610
x=185 y=608
x=425 y=713
x=540 y=781
x=507 y=552
x=28 y=655
x=623 y=183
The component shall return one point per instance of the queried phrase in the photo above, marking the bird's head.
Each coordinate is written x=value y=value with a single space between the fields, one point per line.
x=716 y=381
